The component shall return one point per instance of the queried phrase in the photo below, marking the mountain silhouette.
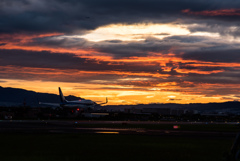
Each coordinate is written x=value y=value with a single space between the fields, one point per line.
x=19 y=97
x=14 y=96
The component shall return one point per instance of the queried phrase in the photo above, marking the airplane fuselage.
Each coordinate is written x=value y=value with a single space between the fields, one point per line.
x=86 y=102
x=79 y=103
x=82 y=103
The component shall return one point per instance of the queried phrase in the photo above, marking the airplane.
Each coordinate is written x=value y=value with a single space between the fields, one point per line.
x=78 y=104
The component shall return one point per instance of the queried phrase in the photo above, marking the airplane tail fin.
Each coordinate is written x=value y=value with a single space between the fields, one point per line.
x=106 y=100
x=62 y=98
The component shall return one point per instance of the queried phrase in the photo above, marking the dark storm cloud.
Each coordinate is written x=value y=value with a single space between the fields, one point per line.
x=233 y=92
x=119 y=49
x=214 y=78
x=59 y=41
x=43 y=59
x=185 y=39
x=115 y=48
x=2 y=44
x=80 y=16
x=47 y=59
x=230 y=55
x=187 y=47
x=133 y=48
x=212 y=26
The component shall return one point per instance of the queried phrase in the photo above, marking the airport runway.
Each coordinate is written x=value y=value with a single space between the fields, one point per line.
x=64 y=127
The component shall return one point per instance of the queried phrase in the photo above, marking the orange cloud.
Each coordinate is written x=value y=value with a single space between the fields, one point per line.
x=198 y=71
x=18 y=41
x=164 y=76
x=23 y=38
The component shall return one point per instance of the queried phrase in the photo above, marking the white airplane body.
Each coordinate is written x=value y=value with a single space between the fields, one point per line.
x=82 y=103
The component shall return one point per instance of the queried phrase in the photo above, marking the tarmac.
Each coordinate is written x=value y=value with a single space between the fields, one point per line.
x=65 y=127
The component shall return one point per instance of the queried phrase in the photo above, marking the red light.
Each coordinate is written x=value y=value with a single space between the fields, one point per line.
x=78 y=109
x=176 y=126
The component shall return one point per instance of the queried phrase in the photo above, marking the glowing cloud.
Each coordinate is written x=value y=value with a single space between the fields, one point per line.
x=135 y=32
x=140 y=52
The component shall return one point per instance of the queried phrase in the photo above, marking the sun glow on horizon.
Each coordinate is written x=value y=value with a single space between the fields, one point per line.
x=116 y=96
x=153 y=76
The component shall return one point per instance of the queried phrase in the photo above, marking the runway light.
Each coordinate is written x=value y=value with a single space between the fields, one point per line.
x=107 y=132
x=176 y=127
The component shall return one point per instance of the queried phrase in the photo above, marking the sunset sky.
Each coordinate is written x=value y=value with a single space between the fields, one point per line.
x=131 y=51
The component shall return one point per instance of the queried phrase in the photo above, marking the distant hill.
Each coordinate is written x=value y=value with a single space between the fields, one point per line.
x=16 y=96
